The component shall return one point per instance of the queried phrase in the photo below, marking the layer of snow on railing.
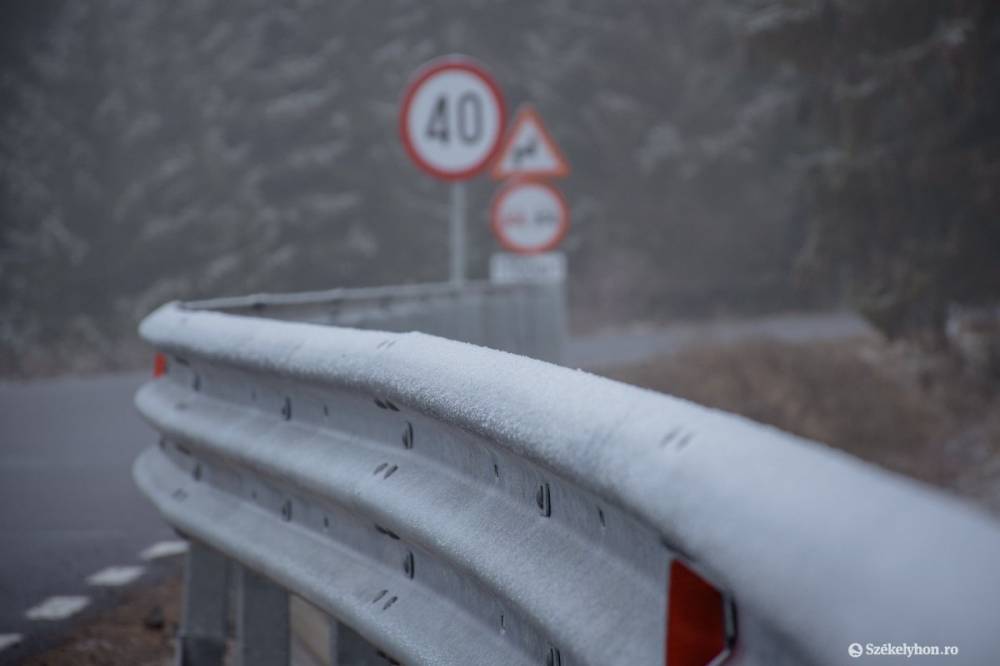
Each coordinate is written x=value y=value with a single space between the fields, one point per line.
x=826 y=549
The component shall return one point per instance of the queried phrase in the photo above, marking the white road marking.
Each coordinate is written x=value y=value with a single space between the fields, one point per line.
x=115 y=576
x=164 y=549
x=57 y=608
x=6 y=640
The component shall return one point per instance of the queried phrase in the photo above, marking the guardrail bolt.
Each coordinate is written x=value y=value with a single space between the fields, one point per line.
x=286 y=409
x=600 y=516
x=286 y=510
x=388 y=533
x=544 y=500
x=553 y=658
x=408 y=436
x=408 y=565
x=196 y=473
x=678 y=436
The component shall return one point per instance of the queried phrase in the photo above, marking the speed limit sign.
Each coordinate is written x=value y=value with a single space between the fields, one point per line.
x=452 y=118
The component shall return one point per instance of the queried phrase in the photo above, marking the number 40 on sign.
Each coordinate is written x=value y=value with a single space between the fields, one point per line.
x=452 y=118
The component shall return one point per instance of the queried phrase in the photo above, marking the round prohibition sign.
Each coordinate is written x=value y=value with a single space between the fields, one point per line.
x=452 y=118
x=529 y=217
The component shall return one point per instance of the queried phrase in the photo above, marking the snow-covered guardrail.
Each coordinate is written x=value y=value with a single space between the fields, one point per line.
x=454 y=504
x=528 y=319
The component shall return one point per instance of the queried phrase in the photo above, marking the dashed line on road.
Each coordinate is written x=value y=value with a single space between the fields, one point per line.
x=164 y=549
x=7 y=640
x=115 y=576
x=62 y=607
x=57 y=608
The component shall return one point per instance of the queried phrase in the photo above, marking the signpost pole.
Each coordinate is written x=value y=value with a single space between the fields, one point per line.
x=452 y=121
x=457 y=229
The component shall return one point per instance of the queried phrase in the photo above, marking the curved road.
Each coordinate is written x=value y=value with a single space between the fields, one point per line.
x=68 y=507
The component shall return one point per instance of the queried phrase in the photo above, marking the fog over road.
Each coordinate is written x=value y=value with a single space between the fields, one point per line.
x=637 y=345
x=68 y=506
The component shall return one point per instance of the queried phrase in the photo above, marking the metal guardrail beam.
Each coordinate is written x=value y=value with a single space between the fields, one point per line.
x=528 y=319
x=458 y=505
x=406 y=518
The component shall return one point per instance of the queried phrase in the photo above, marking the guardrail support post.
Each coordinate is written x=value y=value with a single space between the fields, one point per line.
x=547 y=330
x=347 y=647
x=334 y=629
x=456 y=226
x=202 y=637
x=262 y=621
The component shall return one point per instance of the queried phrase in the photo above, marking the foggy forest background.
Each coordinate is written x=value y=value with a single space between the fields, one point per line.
x=728 y=157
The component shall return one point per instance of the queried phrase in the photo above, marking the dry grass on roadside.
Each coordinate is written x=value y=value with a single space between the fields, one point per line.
x=138 y=632
x=923 y=416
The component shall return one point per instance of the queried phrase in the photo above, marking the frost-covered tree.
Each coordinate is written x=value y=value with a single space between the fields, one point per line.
x=903 y=201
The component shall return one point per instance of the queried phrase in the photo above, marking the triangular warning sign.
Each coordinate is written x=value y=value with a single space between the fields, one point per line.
x=529 y=149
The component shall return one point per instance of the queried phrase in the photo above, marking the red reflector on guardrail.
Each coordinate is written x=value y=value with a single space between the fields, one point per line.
x=159 y=364
x=698 y=631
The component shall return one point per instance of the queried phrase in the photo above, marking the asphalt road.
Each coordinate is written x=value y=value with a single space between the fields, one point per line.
x=68 y=507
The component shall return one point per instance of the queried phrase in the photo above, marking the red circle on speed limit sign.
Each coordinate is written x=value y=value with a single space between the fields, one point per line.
x=452 y=118
x=529 y=216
